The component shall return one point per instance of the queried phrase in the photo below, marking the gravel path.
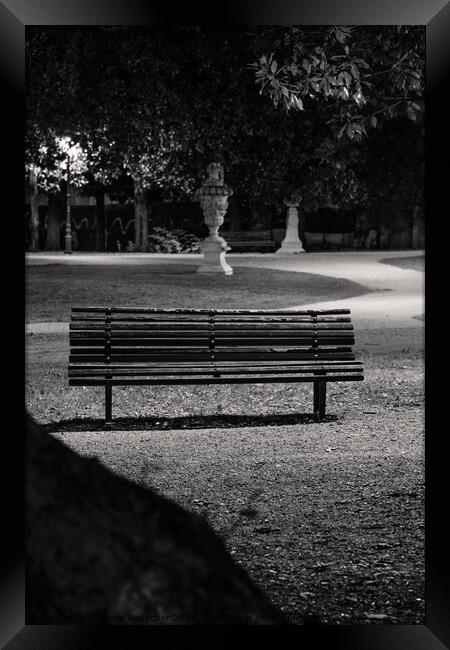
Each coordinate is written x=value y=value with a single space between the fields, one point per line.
x=327 y=518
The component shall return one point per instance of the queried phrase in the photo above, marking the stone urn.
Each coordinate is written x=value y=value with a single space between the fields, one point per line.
x=291 y=242
x=213 y=196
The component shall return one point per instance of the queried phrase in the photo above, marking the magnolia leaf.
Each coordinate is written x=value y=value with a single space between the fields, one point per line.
x=355 y=71
x=299 y=103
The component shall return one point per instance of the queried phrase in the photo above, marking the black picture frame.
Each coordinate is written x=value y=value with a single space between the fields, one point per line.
x=435 y=14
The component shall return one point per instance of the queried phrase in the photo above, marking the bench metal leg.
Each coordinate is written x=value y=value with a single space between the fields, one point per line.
x=108 y=406
x=316 y=401
x=320 y=396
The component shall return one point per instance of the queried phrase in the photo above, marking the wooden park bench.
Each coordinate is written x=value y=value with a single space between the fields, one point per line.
x=118 y=346
x=249 y=239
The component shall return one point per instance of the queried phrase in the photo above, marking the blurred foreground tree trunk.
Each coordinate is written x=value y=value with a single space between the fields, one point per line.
x=102 y=550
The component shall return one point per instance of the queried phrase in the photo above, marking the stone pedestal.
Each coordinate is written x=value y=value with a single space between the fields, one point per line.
x=291 y=242
x=214 y=253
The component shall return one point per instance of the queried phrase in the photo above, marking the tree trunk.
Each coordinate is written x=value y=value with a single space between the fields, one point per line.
x=144 y=224
x=100 y=222
x=55 y=209
x=34 y=211
x=415 y=223
x=140 y=213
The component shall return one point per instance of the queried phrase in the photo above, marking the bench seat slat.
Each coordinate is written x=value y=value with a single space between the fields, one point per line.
x=282 y=356
x=273 y=369
x=199 y=364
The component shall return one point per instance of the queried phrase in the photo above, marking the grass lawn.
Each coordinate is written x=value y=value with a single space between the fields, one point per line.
x=52 y=289
x=327 y=518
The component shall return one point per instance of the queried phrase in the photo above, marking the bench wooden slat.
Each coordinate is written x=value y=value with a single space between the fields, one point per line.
x=260 y=242
x=229 y=330
x=212 y=380
x=215 y=312
x=334 y=338
x=205 y=356
x=199 y=367
x=223 y=364
x=221 y=345
x=267 y=350
x=146 y=319
x=256 y=234
x=223 y=373
x=128 y=329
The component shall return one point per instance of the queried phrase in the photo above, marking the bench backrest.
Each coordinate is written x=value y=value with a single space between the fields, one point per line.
x=250 y=235
x=136 y=335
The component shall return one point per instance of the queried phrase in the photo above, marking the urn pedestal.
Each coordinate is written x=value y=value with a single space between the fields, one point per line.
x=214 y=259
x=291 y=242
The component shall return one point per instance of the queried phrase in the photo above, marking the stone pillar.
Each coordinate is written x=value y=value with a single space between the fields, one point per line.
x=213 y=196
x=291 y=242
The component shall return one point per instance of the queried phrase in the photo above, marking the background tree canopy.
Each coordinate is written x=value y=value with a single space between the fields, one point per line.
x=287 y=109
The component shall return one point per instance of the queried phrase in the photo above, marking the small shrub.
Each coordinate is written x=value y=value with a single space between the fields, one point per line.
x=161 y=240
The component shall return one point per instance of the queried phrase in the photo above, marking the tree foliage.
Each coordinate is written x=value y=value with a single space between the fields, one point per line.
x=363 y=75
x=150 y=107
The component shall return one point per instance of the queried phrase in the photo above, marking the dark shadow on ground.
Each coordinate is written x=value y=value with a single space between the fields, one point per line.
x=185 y=422
x=413 y=263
